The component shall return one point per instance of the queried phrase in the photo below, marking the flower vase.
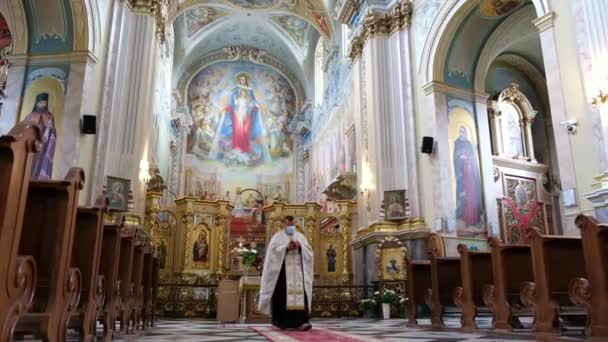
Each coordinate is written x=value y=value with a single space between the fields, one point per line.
x=386 y=310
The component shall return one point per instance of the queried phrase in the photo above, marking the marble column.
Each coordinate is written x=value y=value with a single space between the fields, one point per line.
x=127 y=105
x=385 y=79
x=565 y=160
x=592 y=34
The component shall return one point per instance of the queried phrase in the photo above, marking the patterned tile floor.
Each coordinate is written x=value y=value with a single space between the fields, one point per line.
x=389 y=330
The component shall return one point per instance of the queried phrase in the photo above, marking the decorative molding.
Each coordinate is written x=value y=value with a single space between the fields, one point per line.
x=234 y=53
x=345 y=10
x=377 y=24
x=155 y=8
x=601 y=99
x=519 y=165
x=545 y=22
x=440 y=87
x=72 y=57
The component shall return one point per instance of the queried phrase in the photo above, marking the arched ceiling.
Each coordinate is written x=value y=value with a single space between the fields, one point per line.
x=286 y=30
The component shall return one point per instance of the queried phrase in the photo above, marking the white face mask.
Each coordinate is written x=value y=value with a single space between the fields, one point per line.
x=290 y=230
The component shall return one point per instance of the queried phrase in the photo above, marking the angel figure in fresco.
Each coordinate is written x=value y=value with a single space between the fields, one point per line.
x=468 y=180
x=44 y=119
x=200 y=248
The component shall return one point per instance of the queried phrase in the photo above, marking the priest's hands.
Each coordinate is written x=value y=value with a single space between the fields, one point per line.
x=293 y=245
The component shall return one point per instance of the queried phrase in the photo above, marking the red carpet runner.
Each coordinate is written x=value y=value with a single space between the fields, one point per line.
x=316 y=334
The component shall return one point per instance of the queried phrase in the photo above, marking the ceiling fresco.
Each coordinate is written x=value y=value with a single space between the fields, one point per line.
x=285 y=30
x=294 y=26
x=198 y=18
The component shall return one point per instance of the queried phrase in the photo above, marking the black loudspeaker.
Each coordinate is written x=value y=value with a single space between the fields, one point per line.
x=428 y=143
x=89 y=124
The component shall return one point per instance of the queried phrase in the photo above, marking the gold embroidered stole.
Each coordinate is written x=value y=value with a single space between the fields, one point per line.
x=295 y=280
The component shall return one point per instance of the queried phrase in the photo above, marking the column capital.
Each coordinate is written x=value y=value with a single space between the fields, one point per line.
x=378 y=23
x=155 y=8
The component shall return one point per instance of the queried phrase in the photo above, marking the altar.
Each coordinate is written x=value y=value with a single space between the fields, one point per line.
x=249 y=288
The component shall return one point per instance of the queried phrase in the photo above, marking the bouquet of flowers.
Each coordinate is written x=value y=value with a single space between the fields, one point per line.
x=402 y=305
x=368 y=304
x=386 y=296
x=248 y=255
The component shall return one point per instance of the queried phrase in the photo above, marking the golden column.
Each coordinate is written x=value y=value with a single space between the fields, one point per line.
x=221 y=226
x=345 y=221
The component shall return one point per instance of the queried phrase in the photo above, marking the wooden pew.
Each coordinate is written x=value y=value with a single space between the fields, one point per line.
x=108 y=268
x=146 y=280
x=592 y=292
x=418 y=281
x=125 y=275
x=445 y=277
x=155 y=283
x=556 y=260
x=476 y=272
x=17 y=272
x=86 y=255
x=48 y=230
x=511 y=266
x=138 y=268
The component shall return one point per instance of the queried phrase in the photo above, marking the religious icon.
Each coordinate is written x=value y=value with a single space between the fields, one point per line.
x=162 y=254
x=331 y=259
x=200 y=250
x=468 y=180
x=44 y=119
x=392 y=268
x=396 y=209
x=118 y=193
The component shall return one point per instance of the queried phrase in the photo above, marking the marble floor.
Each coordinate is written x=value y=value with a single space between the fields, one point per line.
x=385 y=330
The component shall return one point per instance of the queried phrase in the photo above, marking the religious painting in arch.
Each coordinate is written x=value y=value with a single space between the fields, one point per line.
x=238 y=135
x=43 y=104
x=466 y=174
x=332 y=242
x=199 y=247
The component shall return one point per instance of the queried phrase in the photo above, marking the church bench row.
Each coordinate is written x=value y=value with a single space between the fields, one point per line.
x=59 y=263
x=553 y=279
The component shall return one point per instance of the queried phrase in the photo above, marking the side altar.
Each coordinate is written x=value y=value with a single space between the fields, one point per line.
x=195 y=238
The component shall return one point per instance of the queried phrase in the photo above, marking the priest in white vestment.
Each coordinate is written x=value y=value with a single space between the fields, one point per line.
x=286 y=285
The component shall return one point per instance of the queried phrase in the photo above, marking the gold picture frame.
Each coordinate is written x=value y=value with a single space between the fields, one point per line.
x=391 y=260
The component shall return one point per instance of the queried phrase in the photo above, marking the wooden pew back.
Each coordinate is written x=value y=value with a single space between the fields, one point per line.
x=108 y=267
x=17 y=273
x=49 y=230
x=419 y=280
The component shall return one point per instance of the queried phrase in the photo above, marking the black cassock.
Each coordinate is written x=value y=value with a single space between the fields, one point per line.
x=281 y=317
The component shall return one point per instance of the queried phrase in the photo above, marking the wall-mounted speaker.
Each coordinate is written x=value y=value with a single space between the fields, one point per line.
x=89 y=124
x=428 y=145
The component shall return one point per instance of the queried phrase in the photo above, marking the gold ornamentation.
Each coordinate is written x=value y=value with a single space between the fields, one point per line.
x=345 y=221
x=600 y=99
x=376 y=23
x=390 y=259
